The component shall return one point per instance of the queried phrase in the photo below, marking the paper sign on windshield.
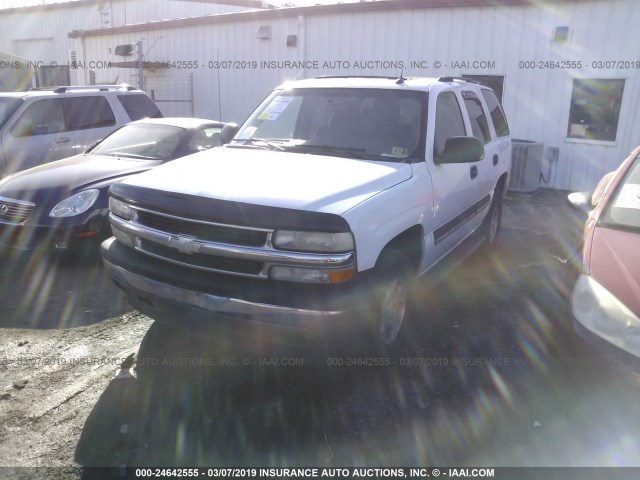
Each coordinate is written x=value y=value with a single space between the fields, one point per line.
x=276 y=107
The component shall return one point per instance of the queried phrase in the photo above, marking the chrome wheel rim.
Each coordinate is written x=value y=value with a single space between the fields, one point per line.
x=394 y=303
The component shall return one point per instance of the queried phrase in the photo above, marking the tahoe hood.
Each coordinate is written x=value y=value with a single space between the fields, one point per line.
x=278 y=179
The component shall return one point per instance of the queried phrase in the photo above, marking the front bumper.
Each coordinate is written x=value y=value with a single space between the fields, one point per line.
x=58 y=235
x=278 y=312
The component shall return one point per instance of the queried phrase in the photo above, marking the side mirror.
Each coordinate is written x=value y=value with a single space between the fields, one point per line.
x=461 y=150
x=581 y=201
x=228 y=132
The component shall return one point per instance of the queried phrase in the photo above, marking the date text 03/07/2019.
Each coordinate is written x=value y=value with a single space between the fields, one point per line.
x=315 y=472
x=579 y=65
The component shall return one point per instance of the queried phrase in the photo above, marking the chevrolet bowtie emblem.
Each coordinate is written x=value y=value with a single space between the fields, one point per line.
x=185 y=244
x=4 y=209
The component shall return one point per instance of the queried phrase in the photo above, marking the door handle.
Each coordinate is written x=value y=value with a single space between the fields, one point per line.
x=474 y=172
x=495 y=160
x=63 y=139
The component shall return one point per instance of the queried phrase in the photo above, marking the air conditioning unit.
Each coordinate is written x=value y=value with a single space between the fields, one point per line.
x=526 y=165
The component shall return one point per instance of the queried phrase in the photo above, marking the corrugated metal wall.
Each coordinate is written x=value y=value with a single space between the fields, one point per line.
x=40 y=33
x=537 y=100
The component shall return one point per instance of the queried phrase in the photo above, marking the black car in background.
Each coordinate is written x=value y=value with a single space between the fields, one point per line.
x=58 y=205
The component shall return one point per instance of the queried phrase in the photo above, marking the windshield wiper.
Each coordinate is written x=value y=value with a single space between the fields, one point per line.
x=130 y=155
x=259 y=142
x=354 y=152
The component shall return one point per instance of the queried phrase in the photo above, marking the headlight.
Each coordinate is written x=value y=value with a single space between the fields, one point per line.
x=119 y=208
x=600 y=311
x=313 y=241
x=75 y=204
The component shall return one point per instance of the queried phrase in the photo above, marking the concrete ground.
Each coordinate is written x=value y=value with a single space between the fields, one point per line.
x=491 y=374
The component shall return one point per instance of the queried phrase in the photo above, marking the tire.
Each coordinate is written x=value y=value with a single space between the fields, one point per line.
x=391 y=298
x=493 y=222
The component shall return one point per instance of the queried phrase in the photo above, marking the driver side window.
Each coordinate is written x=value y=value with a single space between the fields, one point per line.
x=449 y=122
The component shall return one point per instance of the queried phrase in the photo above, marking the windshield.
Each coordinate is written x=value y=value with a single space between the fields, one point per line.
x=7 y=107
x=146 y=141
x=378 y=124
x=624 y=208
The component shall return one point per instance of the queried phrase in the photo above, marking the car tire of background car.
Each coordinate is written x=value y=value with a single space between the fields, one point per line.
x=391 y=302
x=493 y=221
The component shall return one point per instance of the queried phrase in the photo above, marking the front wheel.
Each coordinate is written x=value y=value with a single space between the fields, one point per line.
x=493 y=222
x=391 y=300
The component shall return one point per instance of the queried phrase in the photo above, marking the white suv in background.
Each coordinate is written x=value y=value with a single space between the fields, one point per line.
x=40 y=126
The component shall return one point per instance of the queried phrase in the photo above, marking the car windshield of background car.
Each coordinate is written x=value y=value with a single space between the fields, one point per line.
x=623 y=210
x=144 y=141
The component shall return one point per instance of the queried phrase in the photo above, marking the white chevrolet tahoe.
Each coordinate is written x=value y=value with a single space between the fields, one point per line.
x=314 y=219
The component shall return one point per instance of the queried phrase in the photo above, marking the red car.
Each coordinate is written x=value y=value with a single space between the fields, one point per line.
x=606 y=297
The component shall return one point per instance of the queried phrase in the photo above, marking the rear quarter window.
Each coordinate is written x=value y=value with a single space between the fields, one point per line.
x=497 y=114
x=479 y=125
x=139 y=106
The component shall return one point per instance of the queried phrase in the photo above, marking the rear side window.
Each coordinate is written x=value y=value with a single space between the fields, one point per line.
x=477 y=117
x=40 y=118
x=496 y=112
x=449 y=122
x=88 y=112
x=139 y=106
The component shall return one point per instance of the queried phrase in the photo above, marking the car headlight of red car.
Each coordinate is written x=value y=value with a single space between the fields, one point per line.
x=604 y=314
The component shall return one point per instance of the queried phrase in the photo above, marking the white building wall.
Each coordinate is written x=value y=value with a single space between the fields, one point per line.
x=127 y=12
x=537 y=100
x=41 y=33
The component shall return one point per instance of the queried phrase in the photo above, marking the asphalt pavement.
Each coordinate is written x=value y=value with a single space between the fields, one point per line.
x=491 y=374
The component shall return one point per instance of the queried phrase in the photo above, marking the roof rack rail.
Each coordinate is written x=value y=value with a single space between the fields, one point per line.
x=102 y=88
x=460 y=79
x=358 y=76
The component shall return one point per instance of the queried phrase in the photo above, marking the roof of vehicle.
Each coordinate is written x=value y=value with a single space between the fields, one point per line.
x=184 y=122
x=400 y=83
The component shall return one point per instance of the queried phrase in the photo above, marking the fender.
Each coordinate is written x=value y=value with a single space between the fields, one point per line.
x=381 y=218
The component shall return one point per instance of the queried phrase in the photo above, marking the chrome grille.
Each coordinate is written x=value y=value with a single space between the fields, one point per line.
x=210 y=232
x=204 y=262
x=15 y=211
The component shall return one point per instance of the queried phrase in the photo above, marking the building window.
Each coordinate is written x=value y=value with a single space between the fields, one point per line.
x=595 y=109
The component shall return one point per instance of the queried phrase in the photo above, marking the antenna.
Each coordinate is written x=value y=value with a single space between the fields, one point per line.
x=401 y=79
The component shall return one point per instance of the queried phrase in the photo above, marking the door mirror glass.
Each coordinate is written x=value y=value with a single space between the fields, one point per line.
x=461 y=150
